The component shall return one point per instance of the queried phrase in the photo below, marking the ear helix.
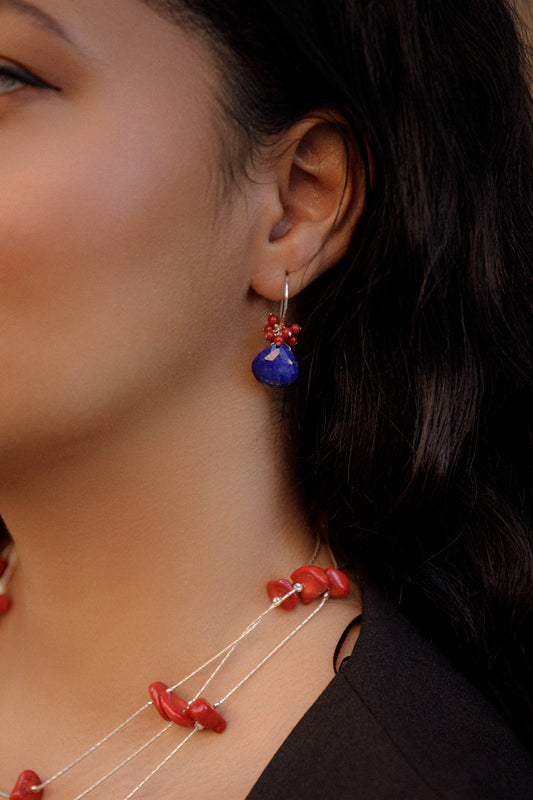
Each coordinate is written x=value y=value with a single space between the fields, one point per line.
x=276 y=365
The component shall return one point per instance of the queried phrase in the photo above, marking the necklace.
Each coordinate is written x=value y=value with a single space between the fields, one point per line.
x=308 y=584
x=8 y=562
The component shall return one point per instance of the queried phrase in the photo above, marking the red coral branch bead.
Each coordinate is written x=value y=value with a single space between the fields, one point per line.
x=24 y=787
x=3 y=565
x=278 y=589
x=339 y=583
x=157 y=690
x=171 y=707
x=314 y=581
x=207 y=716
x=177 y=710
x=5 y=603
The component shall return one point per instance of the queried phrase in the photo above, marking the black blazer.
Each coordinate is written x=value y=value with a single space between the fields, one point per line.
x=398 y=723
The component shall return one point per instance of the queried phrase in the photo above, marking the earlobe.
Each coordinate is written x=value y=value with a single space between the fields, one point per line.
x=320 y=181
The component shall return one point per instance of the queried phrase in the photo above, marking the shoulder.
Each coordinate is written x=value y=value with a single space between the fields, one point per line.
x=398 y=721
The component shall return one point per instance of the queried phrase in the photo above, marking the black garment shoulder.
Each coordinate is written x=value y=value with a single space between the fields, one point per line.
x=398 y=723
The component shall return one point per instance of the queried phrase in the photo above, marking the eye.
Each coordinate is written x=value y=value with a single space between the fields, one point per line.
x=8 y=83
x=13 y=78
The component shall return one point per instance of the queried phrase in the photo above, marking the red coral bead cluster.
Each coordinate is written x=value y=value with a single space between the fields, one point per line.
x=188 y=715
x=172 y=709
x=5 y=601
x=308 y=583
x=278 y=332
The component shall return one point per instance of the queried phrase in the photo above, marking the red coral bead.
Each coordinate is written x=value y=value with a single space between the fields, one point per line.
x=278 y=340
x=5 y=603
x=23 y=787
x=296 y=329
x=339 y=583
x=314 y=581
x=270 y=336
x=280 y=589
x=292 y=340
x=206 y=716
x=273 y=319
x=177 y=710
x=157 y=691
x=268 y=329
x=3 y=565
x=286 y=333
x=171 y=708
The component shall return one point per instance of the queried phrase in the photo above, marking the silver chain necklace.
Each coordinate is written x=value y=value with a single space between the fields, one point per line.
x=309 y=583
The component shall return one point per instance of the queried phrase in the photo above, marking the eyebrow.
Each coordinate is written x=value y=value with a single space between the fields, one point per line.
x=38 y=16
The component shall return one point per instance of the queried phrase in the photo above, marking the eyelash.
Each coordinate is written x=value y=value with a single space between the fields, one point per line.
x=22 y=76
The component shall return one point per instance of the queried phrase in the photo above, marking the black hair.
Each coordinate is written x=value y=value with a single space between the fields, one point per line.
x=412 y=416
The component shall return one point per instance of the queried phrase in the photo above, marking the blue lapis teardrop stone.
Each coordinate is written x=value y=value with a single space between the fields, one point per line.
x=275 y=366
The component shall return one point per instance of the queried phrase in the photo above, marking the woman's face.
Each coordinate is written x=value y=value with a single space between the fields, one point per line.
x=116 y=260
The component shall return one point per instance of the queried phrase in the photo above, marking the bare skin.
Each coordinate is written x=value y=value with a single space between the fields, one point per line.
x=143 y=473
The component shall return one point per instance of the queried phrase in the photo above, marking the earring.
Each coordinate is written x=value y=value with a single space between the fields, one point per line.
x=276 y=365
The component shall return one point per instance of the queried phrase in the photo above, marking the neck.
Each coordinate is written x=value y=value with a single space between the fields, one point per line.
x=157 y=534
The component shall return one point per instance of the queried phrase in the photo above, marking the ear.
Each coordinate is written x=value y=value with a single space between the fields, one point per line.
x=316 y=198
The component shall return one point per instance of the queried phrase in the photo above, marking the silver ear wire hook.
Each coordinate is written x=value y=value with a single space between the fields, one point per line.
x=285 y=302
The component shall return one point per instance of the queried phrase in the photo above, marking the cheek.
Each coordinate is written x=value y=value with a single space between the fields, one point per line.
x=107 y=193
x=106 y=242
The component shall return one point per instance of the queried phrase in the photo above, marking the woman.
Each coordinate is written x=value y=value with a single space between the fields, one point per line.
x=171 y=172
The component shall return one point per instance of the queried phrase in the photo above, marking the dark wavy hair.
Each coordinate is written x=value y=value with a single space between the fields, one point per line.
x=412 y=417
